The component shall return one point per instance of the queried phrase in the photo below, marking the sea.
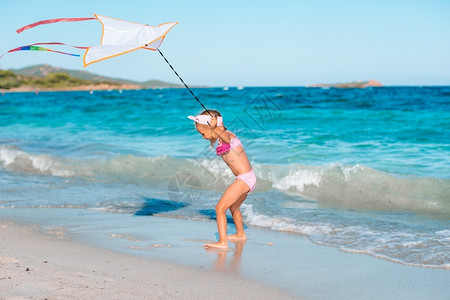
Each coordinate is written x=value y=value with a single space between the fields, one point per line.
x=363 y=170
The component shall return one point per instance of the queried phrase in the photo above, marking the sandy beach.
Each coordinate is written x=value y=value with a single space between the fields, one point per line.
x=78 y=254
x=39 y=266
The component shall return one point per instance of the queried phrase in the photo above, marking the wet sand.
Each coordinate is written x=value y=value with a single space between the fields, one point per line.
x=41 y=266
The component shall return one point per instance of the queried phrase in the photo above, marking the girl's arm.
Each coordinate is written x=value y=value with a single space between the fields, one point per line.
x=224 y=136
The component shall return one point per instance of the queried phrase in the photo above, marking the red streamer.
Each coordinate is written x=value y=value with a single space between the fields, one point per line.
x=53 y=21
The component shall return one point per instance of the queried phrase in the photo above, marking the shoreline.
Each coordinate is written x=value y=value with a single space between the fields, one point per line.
x=283 y=263
x=37 y=266
x=28 y=89
x=89 y=87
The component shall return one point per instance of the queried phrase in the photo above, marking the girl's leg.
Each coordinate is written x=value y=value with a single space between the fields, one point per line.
x=231 y=195
x=237 y=218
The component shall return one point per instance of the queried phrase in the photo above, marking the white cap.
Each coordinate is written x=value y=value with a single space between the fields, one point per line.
x=205 y=119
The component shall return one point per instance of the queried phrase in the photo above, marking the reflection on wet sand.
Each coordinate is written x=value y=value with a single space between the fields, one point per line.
x=221 y=262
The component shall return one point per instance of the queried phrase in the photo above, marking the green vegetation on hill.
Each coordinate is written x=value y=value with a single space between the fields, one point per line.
x=44 y=70
x=48 y=77
x=8 y=80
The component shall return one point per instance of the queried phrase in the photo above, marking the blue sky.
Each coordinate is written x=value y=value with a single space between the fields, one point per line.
x=250 y=43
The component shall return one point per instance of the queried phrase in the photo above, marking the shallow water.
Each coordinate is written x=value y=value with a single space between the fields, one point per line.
x=363 y=170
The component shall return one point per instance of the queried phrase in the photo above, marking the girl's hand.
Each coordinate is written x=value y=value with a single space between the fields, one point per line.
x=213 y=122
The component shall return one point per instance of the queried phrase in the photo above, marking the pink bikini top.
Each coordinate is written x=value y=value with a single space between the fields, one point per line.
x=223 y=148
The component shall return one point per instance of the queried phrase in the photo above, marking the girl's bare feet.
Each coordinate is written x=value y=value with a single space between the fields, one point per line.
x=218 y=245
x=237 y=237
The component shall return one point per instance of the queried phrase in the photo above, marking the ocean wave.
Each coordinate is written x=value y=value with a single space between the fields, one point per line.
x=361 y=187
x=335 y=185
x=410 y=248
x=15 y=159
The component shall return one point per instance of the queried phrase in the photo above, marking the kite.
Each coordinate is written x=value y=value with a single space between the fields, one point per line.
x=118 y=37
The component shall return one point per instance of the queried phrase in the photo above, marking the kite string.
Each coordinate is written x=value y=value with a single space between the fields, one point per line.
x=184 y=83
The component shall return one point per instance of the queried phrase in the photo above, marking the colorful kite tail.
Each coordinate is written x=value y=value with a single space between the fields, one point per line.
x=35 y=47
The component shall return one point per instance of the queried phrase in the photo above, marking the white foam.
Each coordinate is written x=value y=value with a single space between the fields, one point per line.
x=348 y=171
x=360 y=187
x=300 y=177
x=298 y=180
x=443 y=233
x=16 y=159
x=399 y=247
x=281 y=223
x=124 y=168
x=8 y=155
x=215 y=167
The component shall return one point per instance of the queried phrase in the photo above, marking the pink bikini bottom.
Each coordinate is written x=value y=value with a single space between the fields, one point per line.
x=249 y=178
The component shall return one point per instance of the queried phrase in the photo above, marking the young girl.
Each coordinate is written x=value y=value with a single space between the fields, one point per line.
x=232 y=152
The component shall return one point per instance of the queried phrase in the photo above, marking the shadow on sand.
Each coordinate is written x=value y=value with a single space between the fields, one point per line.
x=155 y=206
x=211 y=214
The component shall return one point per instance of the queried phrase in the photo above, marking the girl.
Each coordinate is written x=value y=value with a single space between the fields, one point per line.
x=232 y=152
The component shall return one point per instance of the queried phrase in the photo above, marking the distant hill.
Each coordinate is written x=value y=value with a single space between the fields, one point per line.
x=353 y=84
x=44 y=70
x=151 y=84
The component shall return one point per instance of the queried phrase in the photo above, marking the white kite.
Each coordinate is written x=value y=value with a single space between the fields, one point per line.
x=118 y=37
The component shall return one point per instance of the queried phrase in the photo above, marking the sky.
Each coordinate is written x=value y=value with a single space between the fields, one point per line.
x=249 y=43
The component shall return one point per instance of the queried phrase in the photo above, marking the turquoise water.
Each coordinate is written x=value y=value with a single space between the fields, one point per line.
x=364 y=170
